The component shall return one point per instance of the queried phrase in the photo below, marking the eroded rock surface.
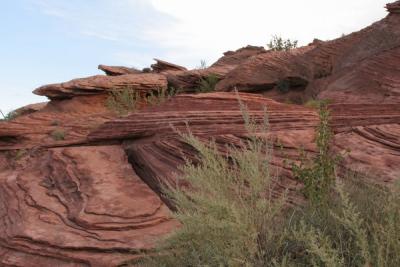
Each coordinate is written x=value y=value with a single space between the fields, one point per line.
x=59 y=123
x=362 y=67
x=118 y=70
x=81 y=187
x=101 y=84
x=78 y=206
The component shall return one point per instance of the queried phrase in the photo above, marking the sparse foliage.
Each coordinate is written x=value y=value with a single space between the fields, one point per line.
x=9 y=116
x=277 y=43
x=318 y=175
x=203 y=65
x=58 y=135
x=207 y=84
x=229 y=219
x=124 y=101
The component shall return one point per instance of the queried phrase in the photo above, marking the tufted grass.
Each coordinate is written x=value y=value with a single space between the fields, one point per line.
x=127 y=100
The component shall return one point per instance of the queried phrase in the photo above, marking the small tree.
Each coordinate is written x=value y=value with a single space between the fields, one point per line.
x=279 y=44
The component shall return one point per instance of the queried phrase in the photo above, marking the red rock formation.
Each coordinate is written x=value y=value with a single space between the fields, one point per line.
x=156 y=150
x=80 y=206
x=393 y=7
x=91 y=197
x=100 y=84
x=162 y=66
x=118 y=70
x=359 y=68
x=75 y=118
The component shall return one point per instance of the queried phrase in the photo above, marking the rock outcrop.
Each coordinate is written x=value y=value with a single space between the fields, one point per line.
x=162 y=66
x=361 y=67
x=80 y=186
x=118 y=70
x=103 y=84
x=393 y=8
x=78 y=206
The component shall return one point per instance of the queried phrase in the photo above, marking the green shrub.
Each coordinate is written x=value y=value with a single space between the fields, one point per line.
x=229 y=218
x=207 y=84
x=58 y=135
x=279 y=44
x=318 y=175
x=123 y=101
x=203 y=65
x=9 y=116
x=317 y=103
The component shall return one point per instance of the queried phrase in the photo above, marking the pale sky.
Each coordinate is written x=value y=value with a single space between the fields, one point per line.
x=48 y=41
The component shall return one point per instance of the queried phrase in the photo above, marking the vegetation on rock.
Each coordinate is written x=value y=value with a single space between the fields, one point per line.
x=277 y=43
x=229 y=217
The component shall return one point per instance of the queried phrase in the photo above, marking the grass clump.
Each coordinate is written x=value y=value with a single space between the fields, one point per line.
x=230 y=219
x=317 y=103
x=207 y=84
x=124 y=101
x=58 y=135
x=277 y=43
x=9 y=116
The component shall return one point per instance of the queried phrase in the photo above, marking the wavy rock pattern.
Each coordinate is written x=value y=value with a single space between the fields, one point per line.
x=81 y=206
x=74 y=118
x=362 y=67
x=156 y=150
x=100 y=84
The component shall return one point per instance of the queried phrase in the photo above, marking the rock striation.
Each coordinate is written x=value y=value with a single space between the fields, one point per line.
x=118 y=70
x=361 y=67
x=79 y=206
x=80 y=186
x=102 y=84
x=393 y=7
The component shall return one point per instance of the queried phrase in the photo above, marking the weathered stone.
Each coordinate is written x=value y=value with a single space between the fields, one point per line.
x=72 y=118
x=80 y=206
x=118 y=70
x=162 y=66
x=361 y=67
x=393 y=7
x=101 y=84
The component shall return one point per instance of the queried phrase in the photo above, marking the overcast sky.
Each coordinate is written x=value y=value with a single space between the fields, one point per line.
x=48 y=41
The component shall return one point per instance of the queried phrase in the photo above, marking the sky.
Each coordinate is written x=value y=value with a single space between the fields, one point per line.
x=51 y=41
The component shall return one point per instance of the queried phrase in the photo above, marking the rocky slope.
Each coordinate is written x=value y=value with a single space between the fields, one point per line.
x=80 y=186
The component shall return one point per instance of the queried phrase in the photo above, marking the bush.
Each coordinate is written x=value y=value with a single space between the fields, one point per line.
x=318 y=175
x=207 y=84
x=279 y=44
x=230 y=219
x=124 y=101
x=58 y=135
x=9 y=116
x=317 y=103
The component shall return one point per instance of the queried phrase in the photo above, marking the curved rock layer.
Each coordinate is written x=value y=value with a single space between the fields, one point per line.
x=78 y=206
x=102 y=84
x=118 y=70
x=362 y=67
x=371 y=133
x=155 y=148
x=59 y=123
